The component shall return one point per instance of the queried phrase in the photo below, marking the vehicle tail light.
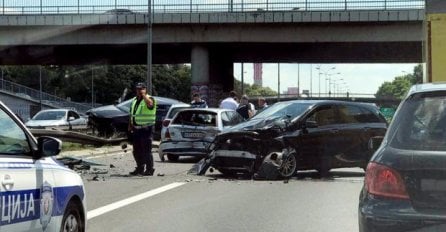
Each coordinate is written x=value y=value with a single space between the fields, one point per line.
x=383 y=181
x=167 y=134
x=166 y=123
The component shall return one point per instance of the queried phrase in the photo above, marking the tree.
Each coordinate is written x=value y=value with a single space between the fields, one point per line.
x=399 y=87
x=109 y=82
x=253 y=90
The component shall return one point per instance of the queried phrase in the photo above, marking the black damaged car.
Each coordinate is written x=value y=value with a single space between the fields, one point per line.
x=297 y=135
x=112 y=120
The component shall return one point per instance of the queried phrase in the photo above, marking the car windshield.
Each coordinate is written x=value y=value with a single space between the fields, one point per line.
x=196 y=118
x=125 y=105
x=421 y=123
x=12 y=138
x=281 y=109
x=50 y=115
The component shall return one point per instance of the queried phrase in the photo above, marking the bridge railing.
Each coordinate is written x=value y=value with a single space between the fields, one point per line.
x=48 y=99
x=33 y=7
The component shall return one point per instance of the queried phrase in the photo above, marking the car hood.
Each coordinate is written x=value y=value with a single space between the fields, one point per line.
x=256 y=124
x=109 y=111
x=45 y=123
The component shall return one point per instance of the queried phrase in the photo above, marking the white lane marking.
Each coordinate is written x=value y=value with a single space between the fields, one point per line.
x=110 y=207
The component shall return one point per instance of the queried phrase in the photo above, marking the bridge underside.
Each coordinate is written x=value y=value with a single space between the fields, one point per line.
x=328 y=52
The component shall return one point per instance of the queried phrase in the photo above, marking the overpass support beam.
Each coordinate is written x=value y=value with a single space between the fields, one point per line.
x=212 y=74
x=435 y=46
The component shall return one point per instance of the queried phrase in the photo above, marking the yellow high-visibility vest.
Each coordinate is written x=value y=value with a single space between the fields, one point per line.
x=143 y=115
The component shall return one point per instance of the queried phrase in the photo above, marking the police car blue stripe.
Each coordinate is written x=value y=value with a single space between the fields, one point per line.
x=24 y=205
x=63 y=195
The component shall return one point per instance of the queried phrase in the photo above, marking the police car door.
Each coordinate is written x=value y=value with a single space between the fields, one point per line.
x=26 y=198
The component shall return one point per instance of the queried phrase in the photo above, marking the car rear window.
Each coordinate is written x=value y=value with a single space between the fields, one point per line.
x=196 y=118
x=175 y=111
x=420 y=124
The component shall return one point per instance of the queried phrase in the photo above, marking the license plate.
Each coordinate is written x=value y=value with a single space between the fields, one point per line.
x=193 y=134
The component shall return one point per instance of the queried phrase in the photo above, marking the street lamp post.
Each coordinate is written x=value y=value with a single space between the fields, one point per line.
x=278 y=82
x=328 y=75
x=242 y=77
x=40 y=86
x=325 y=72
x=298 y=80
x=335 y=85
x=92 y=87
x=149 y=48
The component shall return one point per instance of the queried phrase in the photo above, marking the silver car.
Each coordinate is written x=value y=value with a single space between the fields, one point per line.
x=191 y=130
x=63 y=119
x=173 y=110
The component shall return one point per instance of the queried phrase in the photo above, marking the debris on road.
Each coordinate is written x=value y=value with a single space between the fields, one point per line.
x=99 y=171
x=77 y=164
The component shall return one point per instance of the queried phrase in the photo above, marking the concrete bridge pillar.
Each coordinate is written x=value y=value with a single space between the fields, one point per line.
x=212 y=74
x=435 y=45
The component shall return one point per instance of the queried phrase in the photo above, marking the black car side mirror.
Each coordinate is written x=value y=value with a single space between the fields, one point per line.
x=48 y=146
x=375 y=142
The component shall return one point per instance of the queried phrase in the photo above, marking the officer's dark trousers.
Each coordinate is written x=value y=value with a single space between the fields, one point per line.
x=142 y=148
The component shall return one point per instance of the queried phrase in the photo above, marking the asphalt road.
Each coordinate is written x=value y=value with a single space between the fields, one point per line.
x=180 y=202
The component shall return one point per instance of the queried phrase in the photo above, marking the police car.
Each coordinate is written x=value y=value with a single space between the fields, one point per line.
x=36 y=192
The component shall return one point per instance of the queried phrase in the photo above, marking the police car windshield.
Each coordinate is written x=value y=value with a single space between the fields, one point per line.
x=12 y=138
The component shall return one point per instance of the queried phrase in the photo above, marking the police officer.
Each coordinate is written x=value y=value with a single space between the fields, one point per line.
x=142 y=119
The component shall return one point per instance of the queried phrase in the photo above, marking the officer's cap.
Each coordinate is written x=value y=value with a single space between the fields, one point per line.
x=140 y=85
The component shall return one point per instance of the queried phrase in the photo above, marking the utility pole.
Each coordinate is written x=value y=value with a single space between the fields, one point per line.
x=278 y=82
x=92 y=87
x=298 y=80
x=149 y=48
x=242 y=77
x=40 y=86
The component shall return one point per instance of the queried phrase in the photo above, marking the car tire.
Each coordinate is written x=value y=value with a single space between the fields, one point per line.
x=289 y=166
x=172 y=158
x=71 y=220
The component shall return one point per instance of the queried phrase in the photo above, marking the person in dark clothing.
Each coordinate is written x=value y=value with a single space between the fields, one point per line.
x=244 y=108
x=197 y=102
x=142 y=119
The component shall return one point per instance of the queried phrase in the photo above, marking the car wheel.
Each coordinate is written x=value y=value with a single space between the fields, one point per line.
x=71 y=221
x=172 y=158
x=289 y=166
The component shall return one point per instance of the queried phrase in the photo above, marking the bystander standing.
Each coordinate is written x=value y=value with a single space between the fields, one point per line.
x=230 y=102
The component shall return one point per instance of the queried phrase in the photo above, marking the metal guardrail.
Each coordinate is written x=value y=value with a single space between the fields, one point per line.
x=48 y=99
x=39 y=7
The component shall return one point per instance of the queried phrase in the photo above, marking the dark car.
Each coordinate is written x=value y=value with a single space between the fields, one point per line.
x=405 y=183
x=112 y=120
x=298 y=135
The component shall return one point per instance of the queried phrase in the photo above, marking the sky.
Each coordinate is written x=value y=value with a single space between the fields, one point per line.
x=356 y=78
